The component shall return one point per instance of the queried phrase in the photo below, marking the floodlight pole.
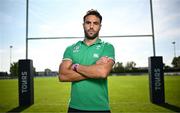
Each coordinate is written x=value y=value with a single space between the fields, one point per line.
x=174 y=43
x=10 y=54
x=27 y=13
x=152 y=24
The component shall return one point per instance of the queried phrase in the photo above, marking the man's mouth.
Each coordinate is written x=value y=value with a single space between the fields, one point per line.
x=91 y=32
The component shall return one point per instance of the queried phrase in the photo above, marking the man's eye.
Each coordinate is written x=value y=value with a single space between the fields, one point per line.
x=96 y=23
x=88 y=22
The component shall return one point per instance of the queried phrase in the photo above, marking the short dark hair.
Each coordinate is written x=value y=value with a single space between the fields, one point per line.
x=93 y=12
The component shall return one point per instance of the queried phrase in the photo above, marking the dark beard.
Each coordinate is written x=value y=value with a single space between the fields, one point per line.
x=91 y=37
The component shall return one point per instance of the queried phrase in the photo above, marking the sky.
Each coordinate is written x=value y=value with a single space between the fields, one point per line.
x=64 y=18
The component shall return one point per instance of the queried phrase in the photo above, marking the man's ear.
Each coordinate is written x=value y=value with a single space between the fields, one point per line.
x=100 y=27
x=83 y=25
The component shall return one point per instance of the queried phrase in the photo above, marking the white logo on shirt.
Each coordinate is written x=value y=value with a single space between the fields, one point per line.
x=95 y=55
x=98 y=46
x=76 y=49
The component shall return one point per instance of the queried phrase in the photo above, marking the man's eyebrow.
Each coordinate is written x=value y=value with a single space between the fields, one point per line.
x=96 y=22
x=87 y=21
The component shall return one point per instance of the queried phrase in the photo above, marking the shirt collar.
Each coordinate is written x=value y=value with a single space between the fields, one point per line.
x=98 y=41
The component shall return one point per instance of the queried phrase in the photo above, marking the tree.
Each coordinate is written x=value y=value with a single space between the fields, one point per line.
x=14 y=69
x=130 y=65
x=118 y=67
x=176 y=62
x=47 y=72
x=166 y=66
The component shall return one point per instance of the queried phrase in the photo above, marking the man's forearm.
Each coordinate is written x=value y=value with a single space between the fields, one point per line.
x=99 y=70
x=70 y=76
x=94 y=71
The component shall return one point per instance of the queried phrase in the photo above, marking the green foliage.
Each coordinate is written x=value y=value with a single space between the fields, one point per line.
x=130 y=65
x=118 y=67
x=14 y=69
x=47 y=71
x=176 y=62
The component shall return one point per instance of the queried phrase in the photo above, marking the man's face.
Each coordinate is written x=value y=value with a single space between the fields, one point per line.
x=91 y=26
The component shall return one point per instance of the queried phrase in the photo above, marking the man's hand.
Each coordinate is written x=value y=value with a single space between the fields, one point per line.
x=74 y=67
x=66 y=74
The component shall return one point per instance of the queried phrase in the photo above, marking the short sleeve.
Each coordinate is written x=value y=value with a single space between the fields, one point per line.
x=109 y=51
x=67 y=54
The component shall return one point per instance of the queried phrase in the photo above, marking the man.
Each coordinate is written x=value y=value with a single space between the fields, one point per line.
x=87 y=64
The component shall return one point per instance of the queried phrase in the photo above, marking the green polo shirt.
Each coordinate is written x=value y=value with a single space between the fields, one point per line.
x=89 y=94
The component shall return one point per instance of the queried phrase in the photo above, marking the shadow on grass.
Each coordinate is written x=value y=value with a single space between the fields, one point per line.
x=18 y=109
x=170 y=107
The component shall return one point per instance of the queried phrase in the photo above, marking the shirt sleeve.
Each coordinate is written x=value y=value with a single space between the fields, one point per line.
x=109 y=51
x=67 y=54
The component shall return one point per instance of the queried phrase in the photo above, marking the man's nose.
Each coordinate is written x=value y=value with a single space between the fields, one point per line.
x=91 y=25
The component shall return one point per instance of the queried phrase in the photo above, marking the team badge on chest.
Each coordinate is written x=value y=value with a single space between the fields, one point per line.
x=76 y=49
x=98 y=46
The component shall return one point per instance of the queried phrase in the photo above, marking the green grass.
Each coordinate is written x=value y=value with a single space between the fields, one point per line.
x=126 y=93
